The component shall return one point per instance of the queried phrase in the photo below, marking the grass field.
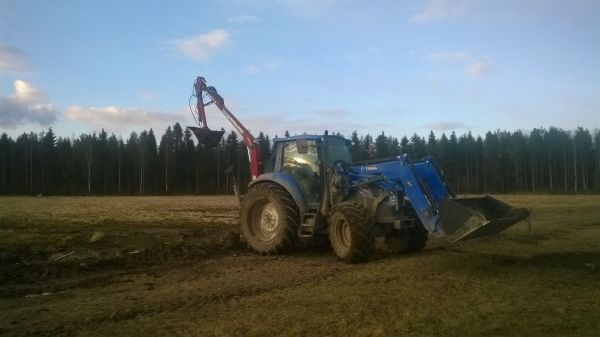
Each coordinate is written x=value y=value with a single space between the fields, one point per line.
x=174 y=266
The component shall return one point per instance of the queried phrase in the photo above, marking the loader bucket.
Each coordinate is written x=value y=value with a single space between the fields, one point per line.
x=206 y=136
x=470 y=218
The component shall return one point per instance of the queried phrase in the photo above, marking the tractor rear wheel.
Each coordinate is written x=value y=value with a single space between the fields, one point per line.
x=270 y=219
x=350 y=232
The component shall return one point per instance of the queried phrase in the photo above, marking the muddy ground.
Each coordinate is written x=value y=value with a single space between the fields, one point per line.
x=139 y=266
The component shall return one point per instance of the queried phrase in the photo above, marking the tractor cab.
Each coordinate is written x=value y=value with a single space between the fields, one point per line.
x=301 y=158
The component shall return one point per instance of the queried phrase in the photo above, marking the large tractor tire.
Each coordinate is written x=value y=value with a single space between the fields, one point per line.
x=417 y=239
x=410 y=241
x=270 y=219
x=350 y=232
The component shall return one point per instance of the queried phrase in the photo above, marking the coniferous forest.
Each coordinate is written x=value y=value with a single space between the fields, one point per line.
x=540 y=161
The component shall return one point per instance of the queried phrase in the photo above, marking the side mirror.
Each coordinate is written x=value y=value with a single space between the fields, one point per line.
x=302 y=146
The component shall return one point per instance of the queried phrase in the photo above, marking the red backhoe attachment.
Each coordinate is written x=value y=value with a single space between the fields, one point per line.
x=207 y=137
x=210 y=138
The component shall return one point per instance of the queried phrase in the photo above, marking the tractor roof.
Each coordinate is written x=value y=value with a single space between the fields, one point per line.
x=307 y=137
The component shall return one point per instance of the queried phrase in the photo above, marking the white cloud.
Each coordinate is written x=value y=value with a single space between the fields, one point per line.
x=13 y=60
x=450 y=56
x=444 y=126
x=148 y=96
x=27 y=104
x=203 y=46
x=27 y=92
x=255 y=69
x=476 y=66
x=480 y=67
x=368 y=55
x=310 y=122
x=435 y=10
x=333 y=112
x=243 y=19
x=120 y=117
x=252 y=69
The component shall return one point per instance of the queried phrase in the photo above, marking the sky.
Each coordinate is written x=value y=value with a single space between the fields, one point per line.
x=398 y=67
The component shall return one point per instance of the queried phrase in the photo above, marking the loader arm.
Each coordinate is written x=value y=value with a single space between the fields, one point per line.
x=208 y=137
x=438 y=208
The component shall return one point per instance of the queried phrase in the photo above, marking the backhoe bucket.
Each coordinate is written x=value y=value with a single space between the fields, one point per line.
x=206 y=136
x=470 y=218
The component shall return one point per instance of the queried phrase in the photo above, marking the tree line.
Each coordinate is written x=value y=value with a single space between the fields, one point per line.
x=544 y=160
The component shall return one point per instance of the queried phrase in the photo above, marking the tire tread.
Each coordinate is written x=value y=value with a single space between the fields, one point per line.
x=289 y=237
x=362 y=246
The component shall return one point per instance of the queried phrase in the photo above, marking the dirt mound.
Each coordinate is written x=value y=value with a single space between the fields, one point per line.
x=91 y=251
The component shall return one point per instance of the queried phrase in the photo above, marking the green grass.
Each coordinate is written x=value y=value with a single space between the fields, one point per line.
x=514 y=284
x=36 y=223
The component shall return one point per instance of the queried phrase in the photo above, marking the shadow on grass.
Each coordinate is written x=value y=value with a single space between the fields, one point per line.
x=569 y=261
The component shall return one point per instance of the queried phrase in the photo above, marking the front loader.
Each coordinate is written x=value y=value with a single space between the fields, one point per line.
x=310 y=188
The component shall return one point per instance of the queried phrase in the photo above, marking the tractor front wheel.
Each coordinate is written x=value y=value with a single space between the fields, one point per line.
x=270 y=219
x=409 y=241
x=350 y=232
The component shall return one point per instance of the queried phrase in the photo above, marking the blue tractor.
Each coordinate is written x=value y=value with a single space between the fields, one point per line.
x=310 y=188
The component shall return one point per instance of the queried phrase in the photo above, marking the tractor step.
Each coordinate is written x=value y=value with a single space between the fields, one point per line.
x=307 y=227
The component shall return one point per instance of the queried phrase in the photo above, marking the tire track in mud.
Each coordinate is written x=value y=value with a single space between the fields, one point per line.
x=239 y=292
x=23 y=271
x=192 y=291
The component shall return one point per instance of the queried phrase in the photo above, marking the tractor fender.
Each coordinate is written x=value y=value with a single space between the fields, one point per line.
x=288 y=183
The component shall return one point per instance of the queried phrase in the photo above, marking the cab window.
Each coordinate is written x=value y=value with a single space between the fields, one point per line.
x=303 y=166
x=338 y=150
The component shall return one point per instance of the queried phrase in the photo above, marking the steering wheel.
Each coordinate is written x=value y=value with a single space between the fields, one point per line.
x=339 y=167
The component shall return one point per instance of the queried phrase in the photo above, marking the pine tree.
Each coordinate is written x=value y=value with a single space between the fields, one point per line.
x=553 y=160
x=356 y=147
x=6 y=145
x=382 y=147
x=264 y=147
x=47 y=160
x=165 y=151
x=368 y=147
x=431 y=147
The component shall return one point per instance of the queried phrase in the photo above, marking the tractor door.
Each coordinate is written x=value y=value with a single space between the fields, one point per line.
x=301 y=161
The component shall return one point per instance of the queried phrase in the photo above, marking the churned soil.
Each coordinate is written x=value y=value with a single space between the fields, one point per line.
x=165 y=266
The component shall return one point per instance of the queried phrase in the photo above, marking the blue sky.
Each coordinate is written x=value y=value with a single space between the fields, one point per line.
x=301 y=65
